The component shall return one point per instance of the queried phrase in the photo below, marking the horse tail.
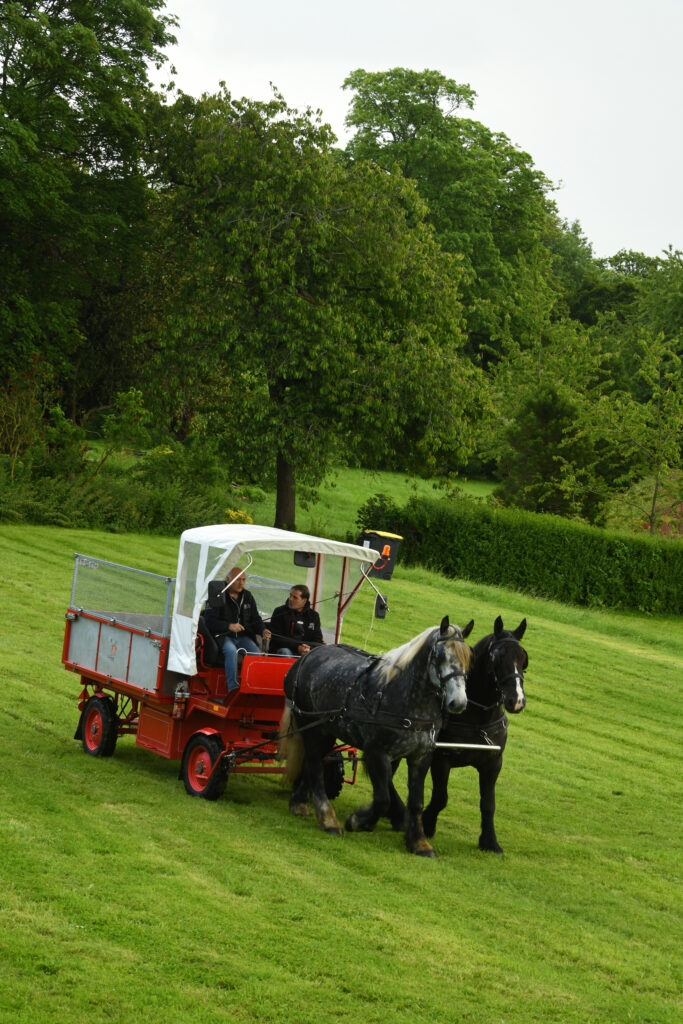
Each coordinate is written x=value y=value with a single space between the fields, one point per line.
x=290 y=746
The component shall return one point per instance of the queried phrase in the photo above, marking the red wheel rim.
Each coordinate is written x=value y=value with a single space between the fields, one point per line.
x=199 y=768
x=92 y=729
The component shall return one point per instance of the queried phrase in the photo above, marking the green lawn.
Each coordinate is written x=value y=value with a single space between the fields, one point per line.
x=334 y=513
x=124 y=900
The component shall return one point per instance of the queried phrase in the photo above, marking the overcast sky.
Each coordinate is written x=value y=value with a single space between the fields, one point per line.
x=592 y=89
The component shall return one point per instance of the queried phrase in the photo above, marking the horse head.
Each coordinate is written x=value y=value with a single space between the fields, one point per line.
x=449 y=660
x=507 y=662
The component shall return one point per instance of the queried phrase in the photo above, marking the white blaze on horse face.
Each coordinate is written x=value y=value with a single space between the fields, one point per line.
x=456 y=695
x=519 y=686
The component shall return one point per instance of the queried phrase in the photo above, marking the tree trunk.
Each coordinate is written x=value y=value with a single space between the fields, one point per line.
x=285 y=502
x=653 y=506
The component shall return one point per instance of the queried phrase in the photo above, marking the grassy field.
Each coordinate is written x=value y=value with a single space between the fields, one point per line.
x=342 y=494
x=123 y=900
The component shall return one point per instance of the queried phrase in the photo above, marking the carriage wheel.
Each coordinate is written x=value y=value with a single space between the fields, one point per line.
x=333 y=774
x=99 y=727
x=201 y=754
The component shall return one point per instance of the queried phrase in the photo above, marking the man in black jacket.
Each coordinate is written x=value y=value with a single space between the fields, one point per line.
x=236 y=624
x=295 y=627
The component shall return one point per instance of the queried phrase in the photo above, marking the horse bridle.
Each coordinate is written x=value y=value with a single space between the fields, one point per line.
x=499 y=683
x=495 y=646
x=443 y=679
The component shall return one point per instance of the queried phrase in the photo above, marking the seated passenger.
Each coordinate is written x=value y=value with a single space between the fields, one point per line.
x=236 y=624
x=294 y=626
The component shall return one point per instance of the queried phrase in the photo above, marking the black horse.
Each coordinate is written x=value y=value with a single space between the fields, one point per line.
x=389 y=707
x=495 y=684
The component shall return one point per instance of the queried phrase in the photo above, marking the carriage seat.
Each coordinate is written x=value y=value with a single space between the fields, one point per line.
x=208 y=649
x=209 y=654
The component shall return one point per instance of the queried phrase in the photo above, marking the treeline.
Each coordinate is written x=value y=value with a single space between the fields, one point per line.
x=213 y=281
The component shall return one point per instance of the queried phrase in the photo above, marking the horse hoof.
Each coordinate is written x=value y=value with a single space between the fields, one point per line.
x=331 y=831
x=300 y=810
x=423 y=849
x=354 y=823
x=491 y=848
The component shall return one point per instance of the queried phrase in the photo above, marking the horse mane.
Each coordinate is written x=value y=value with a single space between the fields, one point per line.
x=396 y=660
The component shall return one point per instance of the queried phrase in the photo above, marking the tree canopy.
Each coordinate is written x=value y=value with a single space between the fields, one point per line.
x=487 y=202
x=321 y=315
x=212 y=277
x=74 y=108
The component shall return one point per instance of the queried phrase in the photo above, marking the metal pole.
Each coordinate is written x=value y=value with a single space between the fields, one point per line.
x=466 y=746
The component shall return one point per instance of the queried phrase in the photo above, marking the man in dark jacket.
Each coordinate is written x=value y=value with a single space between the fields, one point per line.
x=236 y=624
x=295 y=626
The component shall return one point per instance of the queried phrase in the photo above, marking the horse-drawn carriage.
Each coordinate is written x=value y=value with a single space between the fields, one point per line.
x=149 y=667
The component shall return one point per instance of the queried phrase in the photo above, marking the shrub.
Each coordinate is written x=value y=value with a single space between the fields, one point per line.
x=379 y=513
x=543 y=555
x=253 y=494
x=236 y=515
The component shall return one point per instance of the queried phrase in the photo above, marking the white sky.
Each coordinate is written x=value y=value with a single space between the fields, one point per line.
x=592 y=89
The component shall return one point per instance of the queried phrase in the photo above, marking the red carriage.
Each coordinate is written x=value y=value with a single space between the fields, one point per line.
x=149 y=668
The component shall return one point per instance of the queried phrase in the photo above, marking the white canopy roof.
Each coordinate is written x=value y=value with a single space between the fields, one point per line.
x=207 y=551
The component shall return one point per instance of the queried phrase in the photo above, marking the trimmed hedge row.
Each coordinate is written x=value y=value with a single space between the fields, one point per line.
x=543 y=555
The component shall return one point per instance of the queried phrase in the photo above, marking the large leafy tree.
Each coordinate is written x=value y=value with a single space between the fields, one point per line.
x=591 y=418
x=546 y=461
x=487 y=202
x=314 y=315
x=74 y=96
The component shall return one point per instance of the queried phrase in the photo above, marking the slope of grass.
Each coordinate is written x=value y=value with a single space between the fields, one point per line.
x=334 y=513
x=125 y=900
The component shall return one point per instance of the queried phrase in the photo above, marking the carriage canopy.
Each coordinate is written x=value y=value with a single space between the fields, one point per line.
x=208 y=552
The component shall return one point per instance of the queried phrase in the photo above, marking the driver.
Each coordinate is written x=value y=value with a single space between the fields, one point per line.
x=296 y=626
x=236 y=624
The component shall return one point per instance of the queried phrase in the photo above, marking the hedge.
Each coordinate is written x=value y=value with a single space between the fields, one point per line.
x=543 y=555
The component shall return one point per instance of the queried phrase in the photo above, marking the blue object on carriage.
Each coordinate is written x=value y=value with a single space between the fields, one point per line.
x=387 y=544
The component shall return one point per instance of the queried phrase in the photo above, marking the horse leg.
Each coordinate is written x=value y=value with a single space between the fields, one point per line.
x=364 y=819
x=487 y=805
x=298 y=801
x=440 y=770
x=316 y=749
x=397 y=809
x=416 y=841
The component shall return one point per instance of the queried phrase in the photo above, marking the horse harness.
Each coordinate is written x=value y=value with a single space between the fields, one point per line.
x=485 y=733
x=376 y=714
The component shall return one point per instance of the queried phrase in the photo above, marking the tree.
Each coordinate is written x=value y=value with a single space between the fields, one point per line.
x=589 y=417
x=486 y=201
x=644 y=412
x=546 y=461
x=74 y=98
x=588 y=288
x=315 y=315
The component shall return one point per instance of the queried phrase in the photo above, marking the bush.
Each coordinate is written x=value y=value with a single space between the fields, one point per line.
x=543 y=555
x=379 y=513
x=253 y=494
x=110 y=502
